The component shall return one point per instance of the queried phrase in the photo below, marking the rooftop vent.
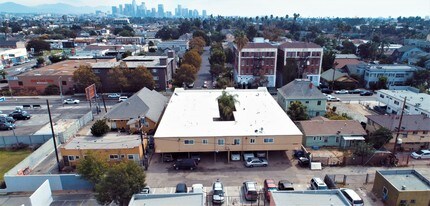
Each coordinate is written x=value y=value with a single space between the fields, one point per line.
x=403 y=187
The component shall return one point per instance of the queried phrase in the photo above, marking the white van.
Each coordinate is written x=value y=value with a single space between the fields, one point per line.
x=352 y=197
x=318 y=184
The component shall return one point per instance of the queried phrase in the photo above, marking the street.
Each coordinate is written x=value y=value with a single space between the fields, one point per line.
x=18 y=69
x=203 y=74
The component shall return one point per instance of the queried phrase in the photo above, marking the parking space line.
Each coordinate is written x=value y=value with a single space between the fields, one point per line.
x=171 y=190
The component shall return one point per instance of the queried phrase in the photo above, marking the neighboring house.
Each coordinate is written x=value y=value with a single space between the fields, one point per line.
x=162 y=69
x=308 y=57
x=331 y=133
x=416 y=103
x=112 y=147
x=192 y=123
x=129 y=40
x=414 y=132
x=256 y=59
x=148 y=105
x=414 y=59
x=304 y=91
x=11 y=57
x=341 y=80
x=179 y=46
x=397 y=74
x=188 y=199
x=401 y=187
x=402 y=54
x=308 y=197
x=343 y=59
x=420 y=43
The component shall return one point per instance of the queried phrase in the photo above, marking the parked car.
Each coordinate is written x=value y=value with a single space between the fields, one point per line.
x=197 y=188
x=318 y=184
x=205 y=85
x=5 y=118
x=256 y=162
x=186 y=164
x=190 y=85
x=196 y=158
x=20 y=115
x=269 y=186
x=285 y=185
x=421 y=154
x=122 y=98
x=218 y=192
x=331 y=98
x=352 y=197
x=146 y=190
x=181 y=188
x=355 y=91
x=235 y=157
x=114 y=95
x=7 y=126
x=168 y=157
x=250 y=191
x=326 y=91
x=71 y=101
x=343 y=91
x=303 y=162
x=298 y=153
x=366 y=93
x=247 y=156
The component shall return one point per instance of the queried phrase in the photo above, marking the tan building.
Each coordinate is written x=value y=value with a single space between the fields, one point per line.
x=414 y=132
x=146 y=104
x=59 y=74
x=112 y=146
x=191 y=123
x=401 y=188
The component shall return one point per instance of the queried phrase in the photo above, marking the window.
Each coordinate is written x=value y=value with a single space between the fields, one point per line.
x=415 y=132
x=76 y=157
x=396 y=102
x=130 y=157
x=122 y=156
x=113 y=157
x=319 y=103
x=189 y=141
x=317 y=114
x=221 y=141
x=268 y=140
x=205 y=141
x=252 y=141
x=315 y=138
x=425 y=132
x=307 y=102
x=236 y=142
x=412 y=201
x=71 y=158
x=382 y=96
x=155 y=78
x=154 y=70
x=20 y=83
x=337 y=139
x=384 y=193
x=64 y=82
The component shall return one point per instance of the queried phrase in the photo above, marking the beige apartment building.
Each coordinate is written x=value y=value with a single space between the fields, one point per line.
x=191 y=123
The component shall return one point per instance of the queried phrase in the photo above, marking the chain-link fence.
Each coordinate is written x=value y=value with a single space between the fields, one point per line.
x=341 y=179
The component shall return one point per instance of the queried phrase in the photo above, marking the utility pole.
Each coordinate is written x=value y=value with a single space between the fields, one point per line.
x=53 y=136
x=398 y=128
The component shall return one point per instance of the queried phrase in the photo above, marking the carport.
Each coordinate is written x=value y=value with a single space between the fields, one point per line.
x=348 y=141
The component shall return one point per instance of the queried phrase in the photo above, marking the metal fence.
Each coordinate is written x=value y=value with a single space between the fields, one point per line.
x=8 y=141
x=239 y=200
x=342 y=179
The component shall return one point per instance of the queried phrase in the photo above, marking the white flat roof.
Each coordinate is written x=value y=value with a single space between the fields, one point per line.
x=191 y=113
x=354 y=138
x=111 y=140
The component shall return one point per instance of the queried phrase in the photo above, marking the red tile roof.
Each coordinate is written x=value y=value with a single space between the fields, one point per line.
x=342 y=62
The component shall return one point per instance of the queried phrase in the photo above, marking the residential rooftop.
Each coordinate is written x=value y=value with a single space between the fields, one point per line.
x=301 y=89
x=330 y=127
x=310 y=197
x=409 y=122
x=189 y=199
x=66 y=67
x=257 y=114
x=134 y=62
x=408 y=180
x=298 y=44
x=420 y=100
x=111 y=140
x=382 y=67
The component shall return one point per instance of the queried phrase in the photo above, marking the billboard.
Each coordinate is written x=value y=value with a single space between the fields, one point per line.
x=90 y=92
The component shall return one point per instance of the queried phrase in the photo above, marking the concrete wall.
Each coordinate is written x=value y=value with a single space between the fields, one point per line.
x=7 y=141
x=30 y=183
x=174 y=144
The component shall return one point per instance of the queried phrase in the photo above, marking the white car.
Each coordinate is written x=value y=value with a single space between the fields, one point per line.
x=71 y=101
x=197 y=188
x=114 y=95
x=218 y=192
x=122 y=98
x=331 y=98
x=422 y=154
x=343 y=91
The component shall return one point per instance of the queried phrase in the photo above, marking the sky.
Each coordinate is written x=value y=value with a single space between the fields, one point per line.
x=306 y=8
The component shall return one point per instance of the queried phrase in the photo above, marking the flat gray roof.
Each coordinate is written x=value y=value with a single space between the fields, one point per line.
x=111 y=140
x=189 y=199
x=411 y=180
x=310 y=197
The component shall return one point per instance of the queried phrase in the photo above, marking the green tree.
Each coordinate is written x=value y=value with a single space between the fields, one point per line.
x=139 y=78
x=40 y=61
x=126 y=54
x=117 y=75
x=52 y=89
x=185 y=74
x=224 y=82
x=38 y=45
x=290 y=71
x=380 y=137
x=240 y=40
x=217 y=57
x=420 y=79
x=363 y=149
x=328 y=60
x=56 y=58
x=84 y=76
x=126 y=33
x=217 y=69
x=3 y=73
x=229 y=56
x=297 y=111
x=197 y=43
x=93 y=167
x=348 y=47
x=99 y=128
x=201 y=33
x=226 y=104
x=120 y=182
x=193 y=58
x=382 y=82
x=251 y=32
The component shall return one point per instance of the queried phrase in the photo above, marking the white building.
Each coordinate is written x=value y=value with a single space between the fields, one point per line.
x=397 y=74
x=10 y=57
x=180 y=46
x=416 y=103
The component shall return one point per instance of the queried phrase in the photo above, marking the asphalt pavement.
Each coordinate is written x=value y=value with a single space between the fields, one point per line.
x=203 y=74
x=18 y=69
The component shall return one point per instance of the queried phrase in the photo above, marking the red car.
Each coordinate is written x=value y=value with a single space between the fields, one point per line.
x=269 y=186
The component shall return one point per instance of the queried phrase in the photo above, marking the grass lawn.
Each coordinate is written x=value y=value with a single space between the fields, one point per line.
x=8 y=159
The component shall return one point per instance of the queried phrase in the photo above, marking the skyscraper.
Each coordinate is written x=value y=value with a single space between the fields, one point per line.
x=204 y=14
x=134 y=8
x=121 y=9
x=160 y=10
x=114 y=10
x=178 y=11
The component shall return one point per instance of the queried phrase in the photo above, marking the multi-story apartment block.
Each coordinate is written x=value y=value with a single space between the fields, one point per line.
x=396 y=74
x=308 y=57
x=416 y=103
x=255 y=60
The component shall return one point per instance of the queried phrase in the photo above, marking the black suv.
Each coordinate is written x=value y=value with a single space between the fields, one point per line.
x=186 y=164
x=20 y=115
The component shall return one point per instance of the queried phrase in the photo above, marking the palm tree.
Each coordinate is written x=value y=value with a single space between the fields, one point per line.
x=226 y=106
x=3 y=73
x=241 y=40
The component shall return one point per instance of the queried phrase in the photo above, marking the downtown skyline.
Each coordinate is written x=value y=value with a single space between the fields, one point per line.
x=252 y=8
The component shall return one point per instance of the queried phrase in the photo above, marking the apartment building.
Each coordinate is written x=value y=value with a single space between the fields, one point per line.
x=255 y=60
x=416 y=103
x=307 y=56
x=396 y=74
